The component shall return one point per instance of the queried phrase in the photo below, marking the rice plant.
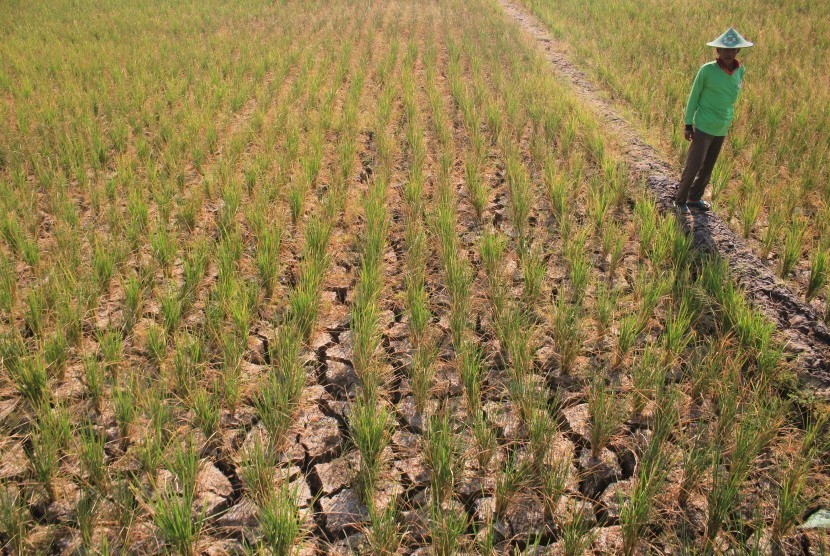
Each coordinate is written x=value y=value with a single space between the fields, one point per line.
x=369 y=426
x=607 y=411
x=280 y=521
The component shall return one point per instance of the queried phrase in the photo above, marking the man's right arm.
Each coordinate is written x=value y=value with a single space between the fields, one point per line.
x=692 y=104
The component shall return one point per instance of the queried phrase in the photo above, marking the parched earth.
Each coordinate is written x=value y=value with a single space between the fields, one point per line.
x=802 y=328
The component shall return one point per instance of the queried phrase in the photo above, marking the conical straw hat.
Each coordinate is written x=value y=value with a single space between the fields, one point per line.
x=730 y=39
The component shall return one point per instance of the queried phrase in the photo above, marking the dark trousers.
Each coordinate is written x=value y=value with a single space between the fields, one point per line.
x=703 y=153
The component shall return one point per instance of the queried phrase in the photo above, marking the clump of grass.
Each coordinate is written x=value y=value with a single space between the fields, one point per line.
x=792 y=502
x=385 y=536
x=577 y=533
x=607 y=413
x=370 y=425
x=442 y=455
x=793 y=246
x=280 y=520
x=818 y=275
x=267 y=257
x=653 y=471
x=477 y=190
x=567 y=333
x=15 y=520
x=447 y=528
x=257 y=470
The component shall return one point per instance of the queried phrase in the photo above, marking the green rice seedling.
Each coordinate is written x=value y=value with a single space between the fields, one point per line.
x=423 y=373
x=55 y=354
x=92 y=456
x=133 y=297
x=163 y=248
x=257 y=471
x=276 y=405
x=447 y=528
x=606 y=303
x=442 y=456
x=231 y=363
x=36 y=307
x=110 y=344
x=520 y=195
x=818 y=275
x=206 y=411
x=607 y=414
x=8 y=285
x=653 y=471
x=172 y=516
x=296 y=196
x=188 y=210
x=370 y=425
x=94 y=380
x=533 y=274
x=194 y=265
x=226 y=215
x=775 y=223
x=124 y=405
x=750 y=209
x=579 y=271
x=280 y=521
x=485 y=439
x=793 y=246
x=541 y=427
x=630 y=329
x=187 y=362
x=599 y=204
x=156 y=343
x=646 y=217
x=566 y=329
x=514 y=476
x=758 y=427
x=55 y=423
x=471 y=369
x=303 y=300
x=558 y=191
x=677 y=333
x=577 y=534
x=268 y=258
x=553 y=483
x=103 y=265
x=647 y=373
x=418 y=311
x=476 y=189
x=459 y=279
x=15 y=520
x=184 y=463
x=792 y=502
x=385 y=536
x=85 y=517
x=31 y=379
x=491 y=250
x=69 y=318
x=44 y=460
x=365 y=324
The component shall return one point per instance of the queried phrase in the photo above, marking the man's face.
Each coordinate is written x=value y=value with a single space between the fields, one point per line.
x=728 y=54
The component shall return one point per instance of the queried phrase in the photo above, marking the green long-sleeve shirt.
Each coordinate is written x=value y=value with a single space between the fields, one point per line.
x=714 y=92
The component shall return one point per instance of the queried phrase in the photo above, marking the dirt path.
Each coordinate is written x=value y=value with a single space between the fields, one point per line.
x=804 y=331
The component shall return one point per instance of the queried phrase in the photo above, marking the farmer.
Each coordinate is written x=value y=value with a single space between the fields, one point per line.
x=708 y=115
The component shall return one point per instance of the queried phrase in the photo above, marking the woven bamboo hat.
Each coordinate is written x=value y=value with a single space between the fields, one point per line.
x=730 y=39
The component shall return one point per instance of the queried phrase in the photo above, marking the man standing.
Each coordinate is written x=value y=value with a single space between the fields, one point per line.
x=708 y=115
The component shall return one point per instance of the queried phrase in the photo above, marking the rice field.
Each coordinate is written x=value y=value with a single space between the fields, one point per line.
x=361 y=278
x=771 y=180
